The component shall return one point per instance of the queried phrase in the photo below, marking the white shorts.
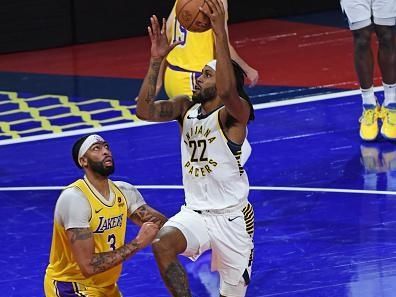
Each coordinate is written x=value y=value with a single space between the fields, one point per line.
x=359 y=12
x=230 y=237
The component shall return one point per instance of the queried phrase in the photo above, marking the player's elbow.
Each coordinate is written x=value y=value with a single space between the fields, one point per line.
x=86 y=270
x=87 y=274
x=141 y=115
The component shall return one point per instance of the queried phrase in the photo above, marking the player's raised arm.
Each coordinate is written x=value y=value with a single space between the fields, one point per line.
x=161 y=110
x=226 y=84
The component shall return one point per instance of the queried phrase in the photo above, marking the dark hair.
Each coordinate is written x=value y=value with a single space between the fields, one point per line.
x=240 y=75
x=76 y=148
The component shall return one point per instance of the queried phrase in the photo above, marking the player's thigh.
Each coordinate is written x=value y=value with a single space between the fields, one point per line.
x=230 y=290
x=178 y=82
x=232 y=246
x=384 y=12
x=358 y=13
x=194 y=230
x=110 y=291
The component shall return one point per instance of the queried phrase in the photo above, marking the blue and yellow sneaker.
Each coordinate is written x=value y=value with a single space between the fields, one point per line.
x=388 y=115
x=369 y=122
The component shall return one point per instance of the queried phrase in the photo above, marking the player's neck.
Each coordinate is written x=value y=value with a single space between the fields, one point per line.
x=100 y=183
x=209 y=106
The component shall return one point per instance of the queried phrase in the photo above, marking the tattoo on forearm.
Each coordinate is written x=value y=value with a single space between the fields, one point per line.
x=166 y=110
x=144 y=214
x=176 y=280
x=104 y=261
x=152 y=80
x=80 y=234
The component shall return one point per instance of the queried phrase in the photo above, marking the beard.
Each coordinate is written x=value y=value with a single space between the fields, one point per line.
x=204 y=95
x=100 y=168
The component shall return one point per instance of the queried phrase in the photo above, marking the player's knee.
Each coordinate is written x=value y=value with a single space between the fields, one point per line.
x=385 y=36
x=164 y=246
x=362 y=39
x=161 y=247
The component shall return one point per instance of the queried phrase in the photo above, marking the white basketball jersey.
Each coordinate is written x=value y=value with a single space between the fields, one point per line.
x=212 y=175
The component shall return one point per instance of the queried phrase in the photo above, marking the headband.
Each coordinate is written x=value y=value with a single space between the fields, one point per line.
x=92 y=139
x=212 y=64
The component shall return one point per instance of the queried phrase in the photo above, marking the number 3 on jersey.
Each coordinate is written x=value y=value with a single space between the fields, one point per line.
x=111 y=240
x=179 y=34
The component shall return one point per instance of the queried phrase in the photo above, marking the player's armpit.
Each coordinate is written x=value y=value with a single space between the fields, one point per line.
x=238 y=109
x=145 y=213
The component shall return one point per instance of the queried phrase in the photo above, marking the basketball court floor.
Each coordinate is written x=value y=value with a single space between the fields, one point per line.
x=324 y=200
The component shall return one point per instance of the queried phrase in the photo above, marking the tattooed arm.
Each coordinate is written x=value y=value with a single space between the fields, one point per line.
x=147 y=214
x=83 y=247
x=147 y=108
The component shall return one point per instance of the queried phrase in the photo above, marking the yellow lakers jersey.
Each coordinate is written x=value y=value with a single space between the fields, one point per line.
x=196 y=49
x=108 y=224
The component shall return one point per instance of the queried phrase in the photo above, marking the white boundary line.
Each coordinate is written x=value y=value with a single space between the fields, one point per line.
x=253 y=188
x=143 y=123
x=76 y=132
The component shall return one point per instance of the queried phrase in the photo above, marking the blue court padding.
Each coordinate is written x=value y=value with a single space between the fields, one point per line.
x=324 y=204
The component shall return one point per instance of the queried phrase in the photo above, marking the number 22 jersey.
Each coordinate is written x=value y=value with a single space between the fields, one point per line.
x=213 y=177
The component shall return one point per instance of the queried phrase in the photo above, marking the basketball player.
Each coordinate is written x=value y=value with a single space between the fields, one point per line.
x=216 y=214
x=183 y=65
x=366 y=17
x=89 y=226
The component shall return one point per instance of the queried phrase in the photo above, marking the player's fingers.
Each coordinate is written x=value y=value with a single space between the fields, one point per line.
x=154 y=25
x=221 y=6
x=210 y=6
x=148 y=223
x=205 y=11
x=217 y=4
x=150 y=32
x=213 y=5
x=163 y=29
x=254 y=81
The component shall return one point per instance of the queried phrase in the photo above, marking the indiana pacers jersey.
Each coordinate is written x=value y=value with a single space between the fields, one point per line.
x=108 y=224
x=213 y=177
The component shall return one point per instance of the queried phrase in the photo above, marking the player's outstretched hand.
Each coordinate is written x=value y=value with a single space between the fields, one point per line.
x=253 y=76
x=216 y=13
x=160 y=46
x=146 y=234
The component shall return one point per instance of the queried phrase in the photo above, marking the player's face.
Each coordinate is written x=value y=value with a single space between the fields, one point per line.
x=205 y=87
x=100 y=159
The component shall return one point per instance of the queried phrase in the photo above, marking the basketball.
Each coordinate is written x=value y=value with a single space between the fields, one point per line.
x=190 y=17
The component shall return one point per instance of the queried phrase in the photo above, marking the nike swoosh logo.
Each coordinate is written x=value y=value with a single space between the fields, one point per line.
x=190 y=118
x=97 y=211
x=231 y=219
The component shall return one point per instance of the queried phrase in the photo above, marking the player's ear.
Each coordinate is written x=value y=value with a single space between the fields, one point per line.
x=83 y=161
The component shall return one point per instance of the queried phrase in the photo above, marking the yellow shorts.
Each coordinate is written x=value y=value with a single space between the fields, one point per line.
x=55 y=288
x=179 y=82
